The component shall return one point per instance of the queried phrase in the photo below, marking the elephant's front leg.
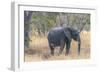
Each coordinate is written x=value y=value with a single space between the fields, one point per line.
x=67 y=47
x=62 y=44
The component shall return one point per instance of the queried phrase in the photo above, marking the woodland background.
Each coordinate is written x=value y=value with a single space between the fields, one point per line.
x=37 y=25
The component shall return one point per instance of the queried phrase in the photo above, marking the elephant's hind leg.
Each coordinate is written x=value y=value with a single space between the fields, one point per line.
x=52 y=49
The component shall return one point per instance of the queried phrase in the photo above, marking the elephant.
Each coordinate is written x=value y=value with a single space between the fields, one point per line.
x=59 y=36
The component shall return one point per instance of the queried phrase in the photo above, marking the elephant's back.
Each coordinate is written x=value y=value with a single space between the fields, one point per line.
x=55 y=32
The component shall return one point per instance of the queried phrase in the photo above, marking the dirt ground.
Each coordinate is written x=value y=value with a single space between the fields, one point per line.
x=39 y=49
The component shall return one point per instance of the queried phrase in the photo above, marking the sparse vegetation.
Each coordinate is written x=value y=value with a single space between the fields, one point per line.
x=36 y=27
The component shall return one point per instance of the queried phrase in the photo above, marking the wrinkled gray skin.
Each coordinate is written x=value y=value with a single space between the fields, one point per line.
x=59 y=36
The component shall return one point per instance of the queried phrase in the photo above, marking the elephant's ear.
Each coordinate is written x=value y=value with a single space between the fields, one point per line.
x=67 y=34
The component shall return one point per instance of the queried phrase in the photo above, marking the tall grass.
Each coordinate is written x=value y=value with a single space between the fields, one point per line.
x=39 y=49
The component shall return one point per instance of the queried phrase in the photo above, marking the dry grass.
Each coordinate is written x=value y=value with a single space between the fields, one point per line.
x=39 y=49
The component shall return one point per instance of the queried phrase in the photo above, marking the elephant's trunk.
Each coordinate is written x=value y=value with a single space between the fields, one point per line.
x=79 y=45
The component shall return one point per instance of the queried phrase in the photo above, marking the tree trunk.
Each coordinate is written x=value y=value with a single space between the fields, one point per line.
x=27 y=19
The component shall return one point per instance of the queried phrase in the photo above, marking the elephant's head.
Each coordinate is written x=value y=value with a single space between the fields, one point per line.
x=74 y=34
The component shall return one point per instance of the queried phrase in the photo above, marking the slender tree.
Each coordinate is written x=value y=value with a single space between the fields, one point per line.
x=27 y=19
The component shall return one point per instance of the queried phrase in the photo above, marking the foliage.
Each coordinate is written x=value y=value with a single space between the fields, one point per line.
x=39 y=23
